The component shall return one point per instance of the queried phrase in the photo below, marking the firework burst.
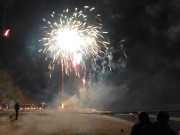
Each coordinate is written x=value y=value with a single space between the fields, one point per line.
x=72 y=39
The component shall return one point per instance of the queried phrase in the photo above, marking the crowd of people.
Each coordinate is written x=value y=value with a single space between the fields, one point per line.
x=143 y=126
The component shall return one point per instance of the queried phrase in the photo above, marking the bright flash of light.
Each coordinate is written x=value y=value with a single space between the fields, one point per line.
x=68 y=40
x=6 y=33
x=73 y=38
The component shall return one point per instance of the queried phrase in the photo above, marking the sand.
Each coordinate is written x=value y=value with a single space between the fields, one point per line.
x=62 y=123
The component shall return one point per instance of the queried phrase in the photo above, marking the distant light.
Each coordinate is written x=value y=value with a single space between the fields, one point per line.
x=6 y=33
x=84 y=81
x=62 y=106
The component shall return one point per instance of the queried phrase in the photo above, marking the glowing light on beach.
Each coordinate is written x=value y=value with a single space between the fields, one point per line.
x=62 y=106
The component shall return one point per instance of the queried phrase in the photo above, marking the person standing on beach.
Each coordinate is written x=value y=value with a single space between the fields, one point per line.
x=17 y=110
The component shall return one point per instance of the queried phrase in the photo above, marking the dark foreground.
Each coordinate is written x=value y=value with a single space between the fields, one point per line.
x=131 y=117
x=62 y=123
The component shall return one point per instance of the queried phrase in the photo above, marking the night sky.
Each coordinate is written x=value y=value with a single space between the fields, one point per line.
x=147 y=31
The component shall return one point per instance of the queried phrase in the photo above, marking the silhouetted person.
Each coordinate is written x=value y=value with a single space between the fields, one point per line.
x=143 y=126
x=162 y=119
x=17 y=109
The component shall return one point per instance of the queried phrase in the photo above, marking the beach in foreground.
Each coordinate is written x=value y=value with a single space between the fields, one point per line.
x=62 y=123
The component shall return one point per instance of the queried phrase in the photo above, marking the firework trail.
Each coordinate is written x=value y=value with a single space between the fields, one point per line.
x=72 y=39
x=6 y=33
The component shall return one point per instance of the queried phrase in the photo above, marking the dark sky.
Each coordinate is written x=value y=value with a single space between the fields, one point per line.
x=150 y=30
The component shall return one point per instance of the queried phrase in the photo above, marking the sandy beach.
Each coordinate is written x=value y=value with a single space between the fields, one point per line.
x=62 y=123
